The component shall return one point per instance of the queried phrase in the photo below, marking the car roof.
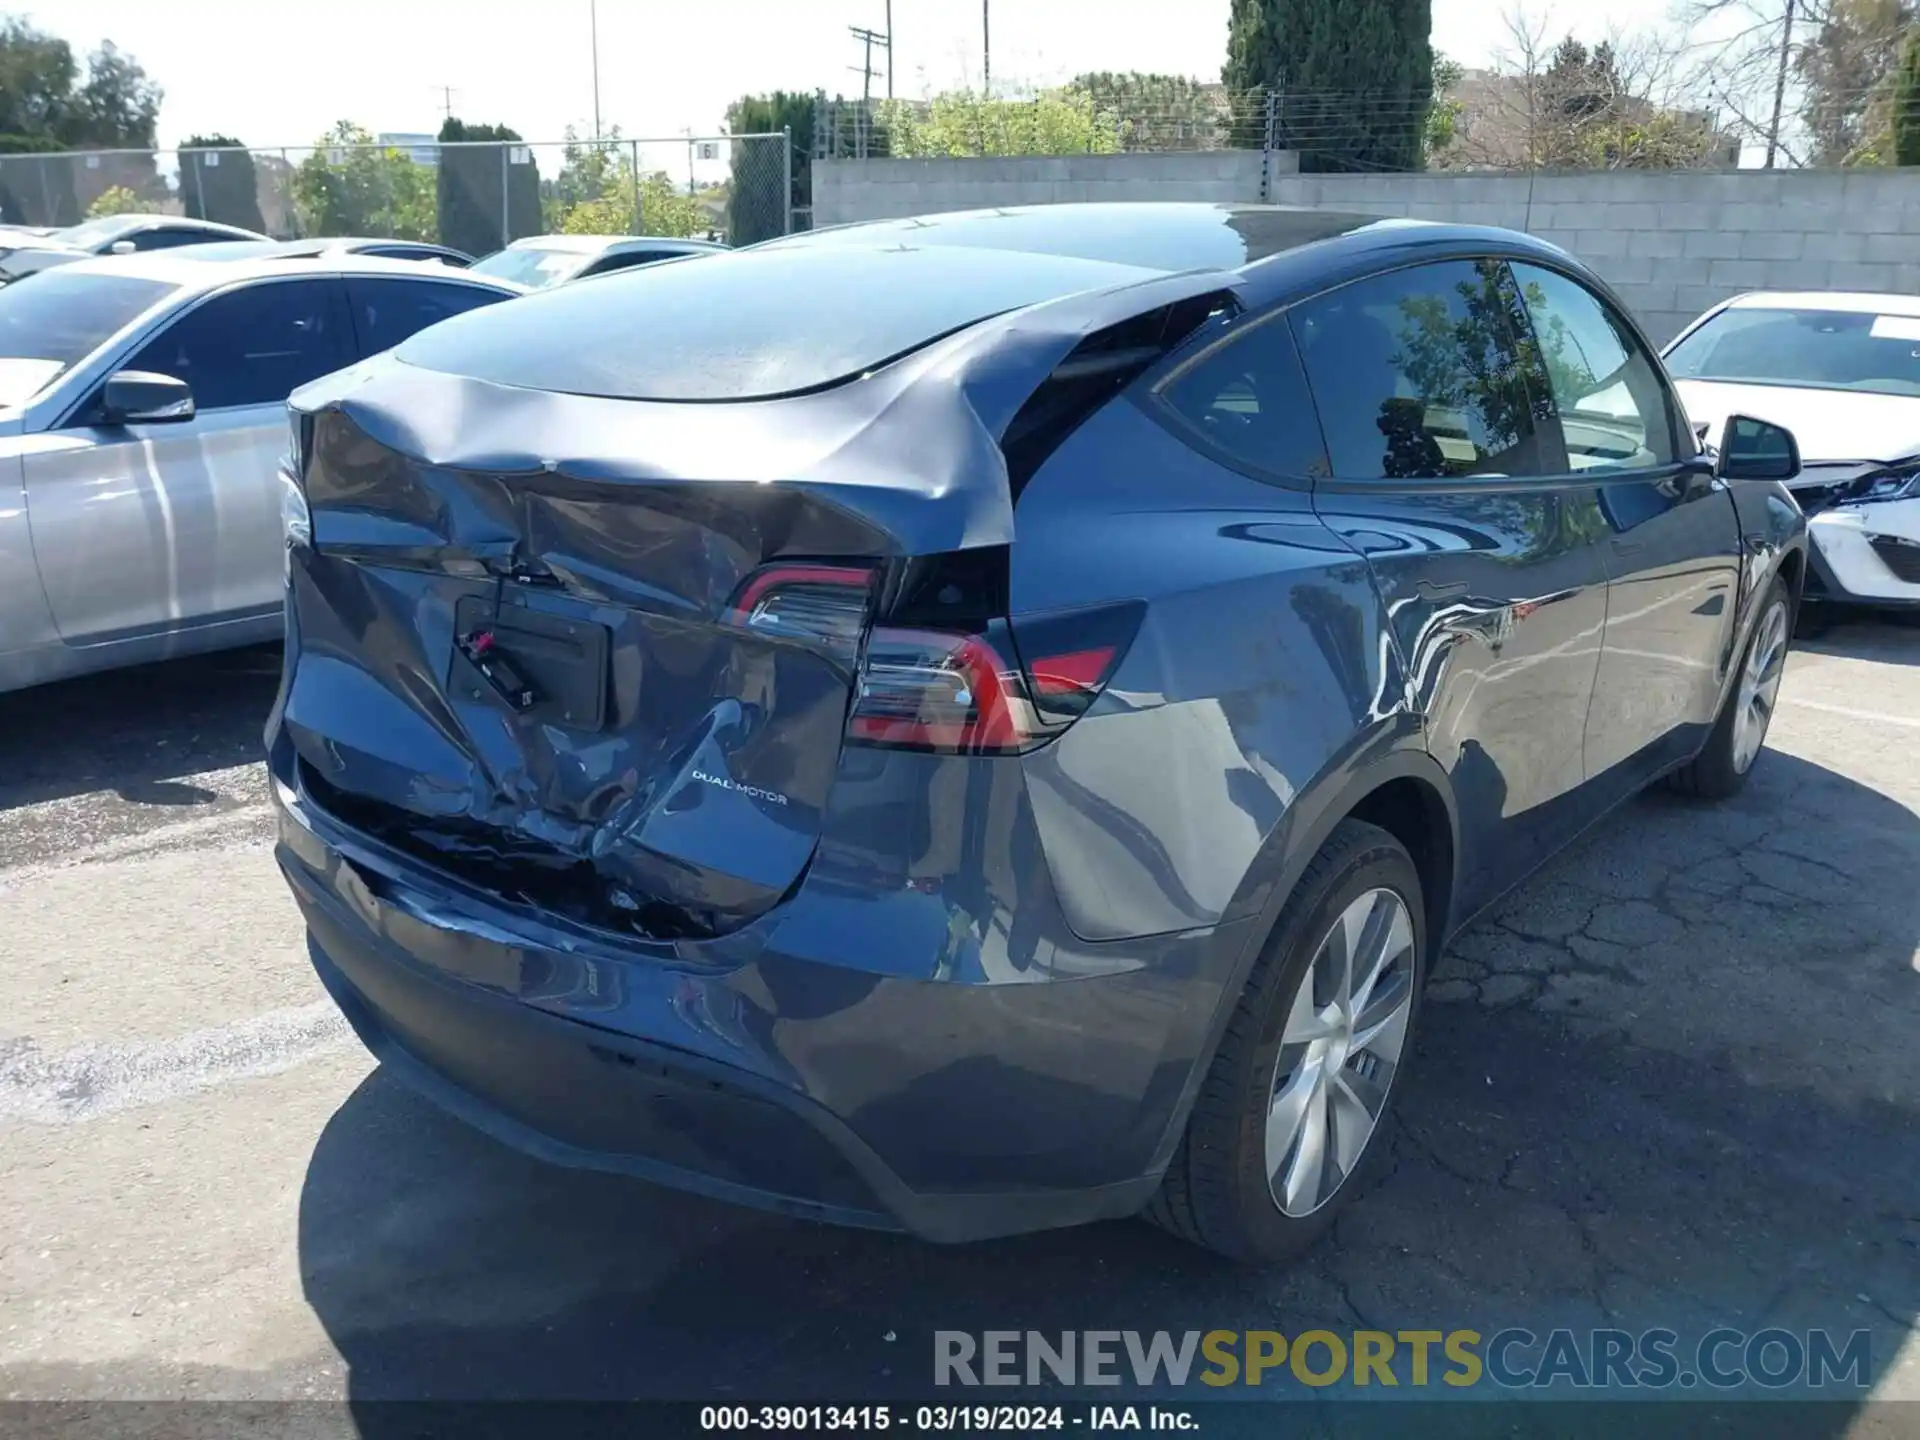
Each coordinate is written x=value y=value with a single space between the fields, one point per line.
x=186 y=222
x=602 y=244
x=200 y=275
x=1277 y=249
x=1844 y=302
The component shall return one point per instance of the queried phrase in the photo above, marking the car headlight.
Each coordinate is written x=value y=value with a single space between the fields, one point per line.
x=1897 y=485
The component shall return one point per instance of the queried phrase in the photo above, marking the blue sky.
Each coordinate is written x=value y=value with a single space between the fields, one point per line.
x=665 y=65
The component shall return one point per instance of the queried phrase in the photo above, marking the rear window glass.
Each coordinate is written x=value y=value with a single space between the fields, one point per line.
x=749 y=325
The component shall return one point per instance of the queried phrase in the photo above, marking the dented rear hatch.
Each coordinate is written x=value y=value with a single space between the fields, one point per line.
x=584 y=581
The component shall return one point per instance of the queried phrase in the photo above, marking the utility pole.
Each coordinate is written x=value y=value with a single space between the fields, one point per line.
x=1780 y=84
x=986 y=49
x=889 y=49
x=446 y=101
x=870 y=38
x=593 y=21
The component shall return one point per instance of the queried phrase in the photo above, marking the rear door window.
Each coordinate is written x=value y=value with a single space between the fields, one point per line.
x=254 y=346
x=387 y=311
x=1247 y=398
x=1426 y=373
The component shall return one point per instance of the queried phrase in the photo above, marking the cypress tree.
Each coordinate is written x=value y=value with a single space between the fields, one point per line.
x=221 y=186
x=1354 y=78
x=1906 y=101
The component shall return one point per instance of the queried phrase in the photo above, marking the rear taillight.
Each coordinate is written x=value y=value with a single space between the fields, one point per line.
x=931 y=690
x=825 y=605
x=970 y=694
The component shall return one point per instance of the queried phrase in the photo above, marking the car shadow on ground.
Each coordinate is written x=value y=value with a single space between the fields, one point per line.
x=1669 y=1083
x=1889 y=637
x=135 y=732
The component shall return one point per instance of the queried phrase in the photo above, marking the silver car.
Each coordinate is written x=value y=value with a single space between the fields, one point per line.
x=142 y=415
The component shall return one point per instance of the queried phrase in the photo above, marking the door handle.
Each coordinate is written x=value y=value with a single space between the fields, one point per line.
x=1433 y=590
x=1627 y=547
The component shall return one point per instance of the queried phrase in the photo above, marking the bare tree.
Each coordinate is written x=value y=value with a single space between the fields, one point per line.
x=1750 y=50
x=1629 y=100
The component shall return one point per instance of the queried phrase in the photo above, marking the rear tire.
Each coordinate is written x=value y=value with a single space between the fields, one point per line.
x=1313 y=1056
x=1739 y=732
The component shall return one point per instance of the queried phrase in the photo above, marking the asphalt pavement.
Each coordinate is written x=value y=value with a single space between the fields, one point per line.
x=1674 y=1081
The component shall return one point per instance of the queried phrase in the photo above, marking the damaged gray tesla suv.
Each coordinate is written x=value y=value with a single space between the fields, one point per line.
x=982 y=723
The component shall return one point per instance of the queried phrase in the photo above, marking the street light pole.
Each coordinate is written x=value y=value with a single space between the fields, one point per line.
x=889 y=49
x=593 y=21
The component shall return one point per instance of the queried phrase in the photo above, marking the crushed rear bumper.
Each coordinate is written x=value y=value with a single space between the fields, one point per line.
x=954 y=1111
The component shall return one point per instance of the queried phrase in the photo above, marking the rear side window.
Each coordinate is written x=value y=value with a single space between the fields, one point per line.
x=1247 y=397
x=1422 y=374
x=254 y=346
x=385 y=312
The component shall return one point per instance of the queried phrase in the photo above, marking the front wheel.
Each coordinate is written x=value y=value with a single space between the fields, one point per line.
x=1740 y=731
x=1292 y=1110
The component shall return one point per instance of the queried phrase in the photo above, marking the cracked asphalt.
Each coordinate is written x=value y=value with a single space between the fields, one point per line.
x=1673 y=1082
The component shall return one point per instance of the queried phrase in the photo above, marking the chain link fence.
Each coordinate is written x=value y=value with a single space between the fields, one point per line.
x=473 y=195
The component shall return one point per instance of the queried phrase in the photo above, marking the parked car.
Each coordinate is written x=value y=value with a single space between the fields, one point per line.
x=1843 y=371
x=331 y=245
x=111 y=235
x=983 y=722
x=542 y=260
x=142 y=413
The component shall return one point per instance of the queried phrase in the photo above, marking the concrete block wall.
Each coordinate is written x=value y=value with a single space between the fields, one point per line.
x=849 y=190
x=1673 y=243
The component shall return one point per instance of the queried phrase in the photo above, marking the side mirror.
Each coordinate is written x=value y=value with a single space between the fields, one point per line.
x=140 y=397
x=1753 y=449
x=121 y=247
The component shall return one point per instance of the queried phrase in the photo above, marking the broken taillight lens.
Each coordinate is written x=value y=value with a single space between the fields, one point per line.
x=970 y=694
x=825 y=605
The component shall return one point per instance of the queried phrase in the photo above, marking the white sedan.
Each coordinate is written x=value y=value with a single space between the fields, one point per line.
x=142 y=418
x=1842 y=372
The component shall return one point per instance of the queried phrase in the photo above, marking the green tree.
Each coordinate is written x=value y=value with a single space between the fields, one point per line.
x=37 y=75
x=217 y=182
x=36 y=185
x=1157 y=112
x=115 y=200
x=756 y=205
x=1906 y=101
x=49 y=102
x=1352 y=79
x=1443 y=119
x=599 y=193
x=350 y=186
x=1846 y=79
x=473 y=216
x=963 y=122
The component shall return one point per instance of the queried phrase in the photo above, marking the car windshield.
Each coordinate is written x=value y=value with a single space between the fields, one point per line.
x=1822 y=349
x=531 y=265
x=49 y=326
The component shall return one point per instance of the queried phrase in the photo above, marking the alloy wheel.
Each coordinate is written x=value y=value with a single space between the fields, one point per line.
x=1759 y=687
x=1339 y=1052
